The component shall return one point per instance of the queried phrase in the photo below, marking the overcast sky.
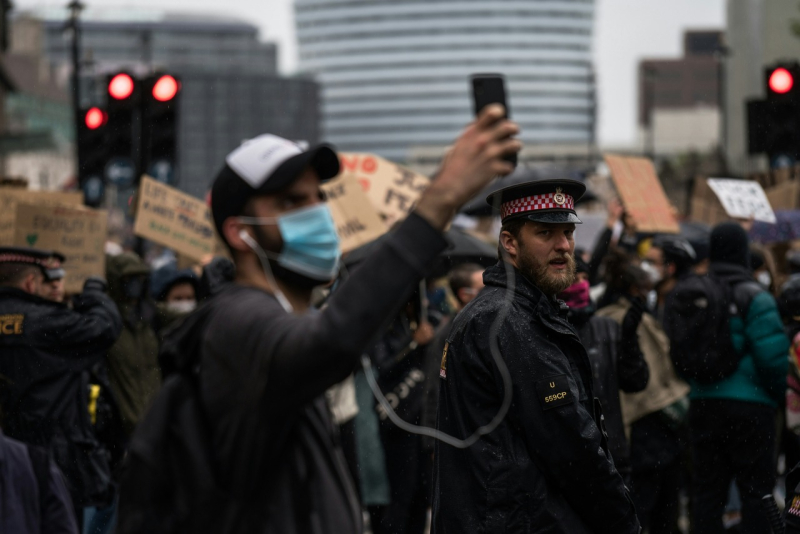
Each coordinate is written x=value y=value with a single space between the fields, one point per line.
x=626 y=31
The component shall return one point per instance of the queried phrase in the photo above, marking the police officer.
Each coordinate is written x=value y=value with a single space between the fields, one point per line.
x=44 y=349
x=546 y=468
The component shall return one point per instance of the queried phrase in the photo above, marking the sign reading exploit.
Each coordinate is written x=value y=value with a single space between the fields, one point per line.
x=174 y=219
x=357 y=221
x=78 y=233
x=392 y=189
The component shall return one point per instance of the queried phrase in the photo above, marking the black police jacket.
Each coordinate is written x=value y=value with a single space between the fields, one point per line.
x=546 y=468
x=45 y=347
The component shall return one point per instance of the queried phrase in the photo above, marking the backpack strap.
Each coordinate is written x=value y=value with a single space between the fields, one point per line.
x=40 y=461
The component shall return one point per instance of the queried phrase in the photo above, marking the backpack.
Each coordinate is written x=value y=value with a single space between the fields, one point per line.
x=168 y=482
x=697 y=320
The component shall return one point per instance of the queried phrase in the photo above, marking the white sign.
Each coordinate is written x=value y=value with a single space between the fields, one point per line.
x=743 y=199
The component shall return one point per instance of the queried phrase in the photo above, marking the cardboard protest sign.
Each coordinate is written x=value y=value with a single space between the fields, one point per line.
x=743 y=199
x=11 y=196
x=392 y=189
x=642 y=194
x=78 y=233
x=174 y=219
x=784 y=196
x=357 y=221
x=705 y=207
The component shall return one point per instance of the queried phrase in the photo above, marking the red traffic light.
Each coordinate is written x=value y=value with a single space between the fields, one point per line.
x=120 y=86
x=165 y=88
x=95 y=118
x=781 y=81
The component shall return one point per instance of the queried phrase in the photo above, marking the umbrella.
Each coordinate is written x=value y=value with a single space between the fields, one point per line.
x=477 y=207
x=463 y=248
x=786 y=229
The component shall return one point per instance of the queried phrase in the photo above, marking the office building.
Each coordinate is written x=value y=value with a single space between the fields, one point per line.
x=679 y=99
x=394 y=75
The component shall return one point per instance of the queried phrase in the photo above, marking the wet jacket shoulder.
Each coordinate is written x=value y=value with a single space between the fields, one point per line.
x=761 y=339
x=90 y=327
x=546 y=467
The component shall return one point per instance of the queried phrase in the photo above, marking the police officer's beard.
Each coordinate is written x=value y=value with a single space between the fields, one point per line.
x=539 y=273
x=280 y=272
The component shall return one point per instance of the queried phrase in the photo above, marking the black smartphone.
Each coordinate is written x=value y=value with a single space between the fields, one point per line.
x=490 y=89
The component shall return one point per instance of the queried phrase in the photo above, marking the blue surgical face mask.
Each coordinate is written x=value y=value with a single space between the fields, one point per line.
x=310 y=241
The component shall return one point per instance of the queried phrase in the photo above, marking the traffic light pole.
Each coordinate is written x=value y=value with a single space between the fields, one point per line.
x=75 y=8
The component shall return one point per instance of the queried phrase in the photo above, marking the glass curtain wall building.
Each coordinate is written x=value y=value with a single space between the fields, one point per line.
x=394 y=73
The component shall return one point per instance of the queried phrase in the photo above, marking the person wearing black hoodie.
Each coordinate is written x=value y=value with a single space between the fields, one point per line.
x=732 y=421
x=617 y=361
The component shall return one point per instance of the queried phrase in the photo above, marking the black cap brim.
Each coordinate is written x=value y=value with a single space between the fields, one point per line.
x=53 y=274
x=552 y=217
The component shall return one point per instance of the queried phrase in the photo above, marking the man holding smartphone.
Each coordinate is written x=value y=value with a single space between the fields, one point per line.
x=546 y=467
x=262 y=359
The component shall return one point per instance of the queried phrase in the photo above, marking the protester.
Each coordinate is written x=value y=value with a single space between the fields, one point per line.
x=46 y=348
x=616 y=359
x=732 y=421
x=399 y=360
x=465 y=282
x=133 y=360
x=667 y=260
x=763 y=268
x=546 y=467
x=654 y=417
x=265 y=360
x=53 y=285
x=175 y=292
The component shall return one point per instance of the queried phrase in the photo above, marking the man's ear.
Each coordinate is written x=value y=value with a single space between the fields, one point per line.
x=231 y=232
x=29 y=284
x=509 y=243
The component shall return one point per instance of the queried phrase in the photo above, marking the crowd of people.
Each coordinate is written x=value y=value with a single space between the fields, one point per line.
x=648 y=385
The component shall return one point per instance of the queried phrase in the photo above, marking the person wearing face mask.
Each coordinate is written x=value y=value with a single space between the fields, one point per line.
x=133 y=369
x=260 y=359
x=617 y=361
x=667 y=260
x=654 y=418
x=46 y=349
x=175 y=292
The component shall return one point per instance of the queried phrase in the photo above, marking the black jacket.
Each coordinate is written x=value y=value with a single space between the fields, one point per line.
x=44 y=354
x=546 y=467
x=262 y=376
x=613 y=369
